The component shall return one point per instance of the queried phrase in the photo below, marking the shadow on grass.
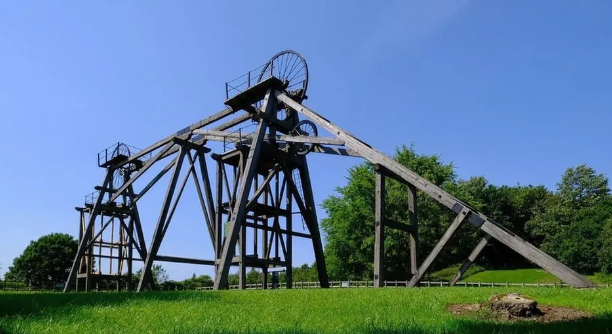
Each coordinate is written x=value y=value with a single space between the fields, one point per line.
x=31 y=304
x=601 y=324
x=597 y=325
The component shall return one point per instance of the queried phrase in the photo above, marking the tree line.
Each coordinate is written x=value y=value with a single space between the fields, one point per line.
x=572 y=223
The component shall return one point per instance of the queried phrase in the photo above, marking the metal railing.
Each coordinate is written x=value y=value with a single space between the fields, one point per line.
x=119 y=149
x=247 y=80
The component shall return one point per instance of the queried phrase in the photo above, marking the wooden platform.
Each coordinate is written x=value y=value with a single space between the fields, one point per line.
x=253 y=94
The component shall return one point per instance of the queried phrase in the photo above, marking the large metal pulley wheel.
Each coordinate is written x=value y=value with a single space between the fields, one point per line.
x=289 y=67
x=304 y=128
x=120 y=174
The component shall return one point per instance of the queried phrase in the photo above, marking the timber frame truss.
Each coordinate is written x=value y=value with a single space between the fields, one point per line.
x=249 y=211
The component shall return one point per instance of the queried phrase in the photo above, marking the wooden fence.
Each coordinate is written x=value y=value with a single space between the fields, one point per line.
x=401 y=284
x=21 y=286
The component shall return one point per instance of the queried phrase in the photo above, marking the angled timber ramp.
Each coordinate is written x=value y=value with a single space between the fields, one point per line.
x=393 y=169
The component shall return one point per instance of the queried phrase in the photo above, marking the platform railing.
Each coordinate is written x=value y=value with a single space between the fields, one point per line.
x=247 y=80
x=118 y=149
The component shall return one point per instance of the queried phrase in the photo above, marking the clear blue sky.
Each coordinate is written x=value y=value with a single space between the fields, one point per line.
x=516 y=91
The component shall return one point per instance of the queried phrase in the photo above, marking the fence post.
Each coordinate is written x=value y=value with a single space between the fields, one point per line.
x=479 y=284
x=522 y=285
x=537 y=284
x=507 y=284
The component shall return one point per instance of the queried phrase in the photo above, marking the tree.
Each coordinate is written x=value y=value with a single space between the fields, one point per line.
x=196 y=282
x=160 y=275
x=349 y=228
x=46 y=260
x=571 y=227
x=605 y=253
x=582 y=186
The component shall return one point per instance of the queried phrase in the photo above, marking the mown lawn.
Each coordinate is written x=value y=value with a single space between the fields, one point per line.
x=520 y=276
x=390 y=310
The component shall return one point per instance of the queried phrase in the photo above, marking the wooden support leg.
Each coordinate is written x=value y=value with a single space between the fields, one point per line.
x=441 y=243
x=379 y=227
x=87 y=233
x=289 y=228
x=207 y=216
x=242 y=256
x=414 y=234
x=466 y=265
x=161 y=225
x=312 y=223
x=239 y=211
x=219 y=214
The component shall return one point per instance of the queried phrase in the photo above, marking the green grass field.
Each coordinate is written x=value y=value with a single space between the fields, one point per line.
x=521 y=276
x=390 y=310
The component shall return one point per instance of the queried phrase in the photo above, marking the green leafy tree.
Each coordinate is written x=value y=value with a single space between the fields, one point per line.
x=196 y=282
x=571 y=228
x=605 y=253
x=582 y=187
x=46 y=260
x=349 y=228
x=160 y=275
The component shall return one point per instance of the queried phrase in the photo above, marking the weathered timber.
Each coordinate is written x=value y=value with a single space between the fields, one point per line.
x=471 y=258
x=414 y=224
x=161 y=224
x=434 y=253
x=478 y=219
x=379 y=230
x=242 y=196
x=398 y=226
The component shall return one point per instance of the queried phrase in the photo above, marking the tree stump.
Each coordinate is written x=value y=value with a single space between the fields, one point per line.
x=515 y=304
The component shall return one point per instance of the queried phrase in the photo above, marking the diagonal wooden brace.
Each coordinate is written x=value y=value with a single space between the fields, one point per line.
x=441 y=243
x=239 y=209
x=466 y=265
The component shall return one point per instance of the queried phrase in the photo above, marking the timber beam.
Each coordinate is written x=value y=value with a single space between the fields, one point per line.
x=490 y=227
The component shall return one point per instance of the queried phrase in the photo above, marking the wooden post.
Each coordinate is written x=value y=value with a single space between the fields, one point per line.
x=414 y=234
x=434 y=253
x=379 y=228
x=242 y=257
x=239 y=209
x=289 y=236
x=162 y=224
